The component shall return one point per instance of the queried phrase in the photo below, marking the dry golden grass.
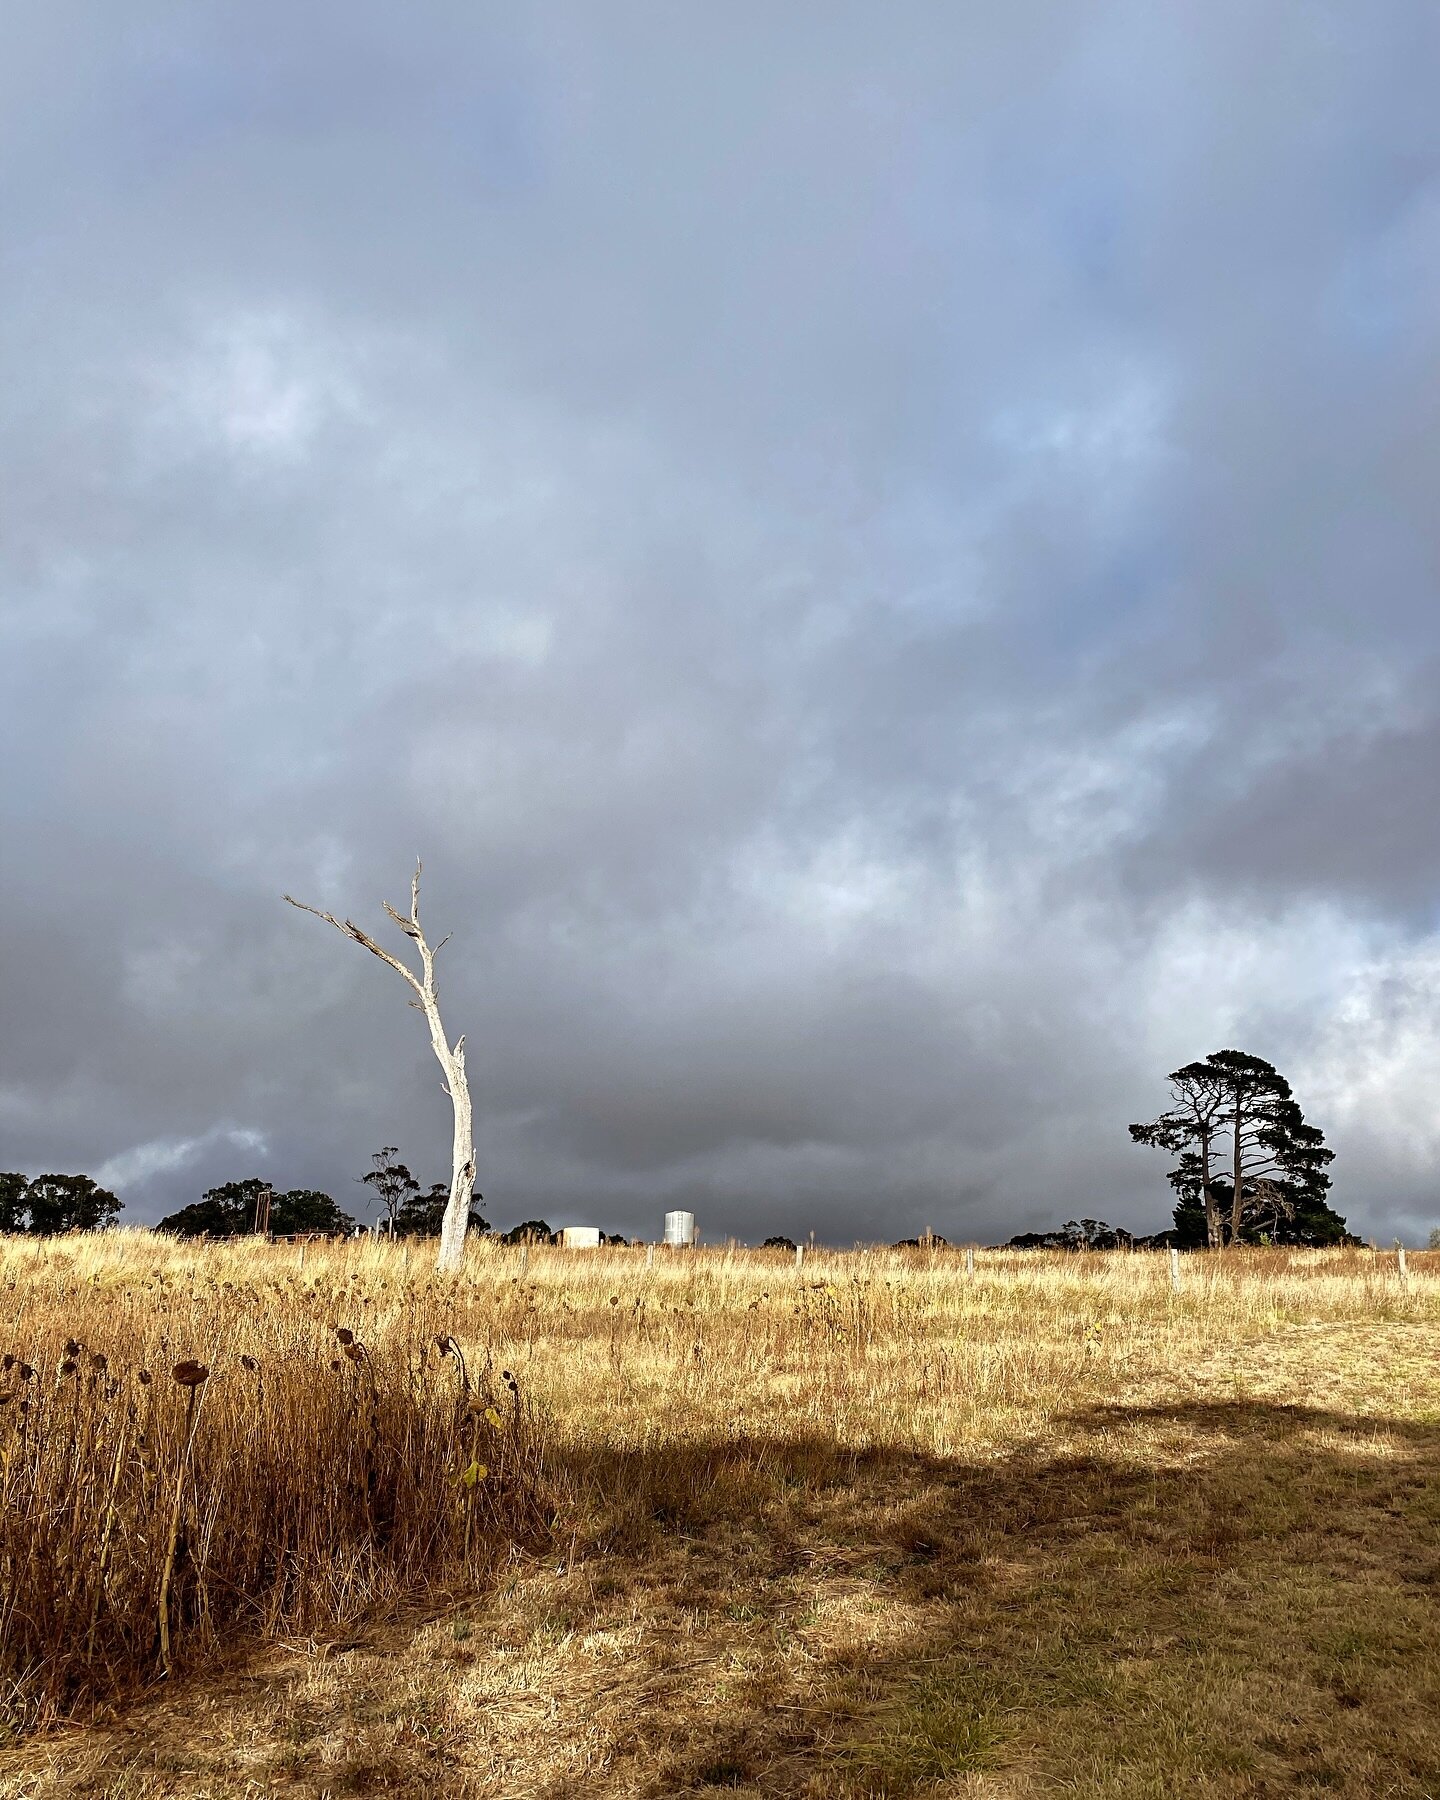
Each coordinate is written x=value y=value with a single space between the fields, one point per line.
x=872 y=1528
x=194 y=1453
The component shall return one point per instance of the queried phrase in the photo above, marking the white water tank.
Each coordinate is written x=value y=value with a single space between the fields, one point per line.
x=580 y=1237
x=680 y=1229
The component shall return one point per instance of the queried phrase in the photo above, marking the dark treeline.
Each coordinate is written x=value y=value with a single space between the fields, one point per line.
x=53 y=1203
x=1092 y=1234
x=232 y=1209
x=240 y=1207
x=1249 y=1169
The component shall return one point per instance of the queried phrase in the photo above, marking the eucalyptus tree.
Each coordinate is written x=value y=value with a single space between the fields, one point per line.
x=232 y=1210
x=392 y=1182
x=451 y=1058
x=70 y=1203
x=421 y=1215
x=53 y=1203
x=14 y=1200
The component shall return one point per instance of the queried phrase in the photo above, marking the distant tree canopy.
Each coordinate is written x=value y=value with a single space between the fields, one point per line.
x=536 y=1231
x=392 y=1184
x=55 y=1203
x=203 y=1218
x=229 y=1211
x=1249 y=1168
x=14 y=1201
x=532 y=1231
x=409 y=1212
x=307 y=1209
x=1074 y=1234
x=778 y=1243
x=421 y=1215
x=225 y=1211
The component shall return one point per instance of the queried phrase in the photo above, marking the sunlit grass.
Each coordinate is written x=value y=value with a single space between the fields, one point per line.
x=876 y=1525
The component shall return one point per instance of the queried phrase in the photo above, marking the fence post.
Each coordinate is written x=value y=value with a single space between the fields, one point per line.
x=969 y=1259
x=649 y=1256
x=799 y=1256
x=1404 y=1272
x=1174 y=1270
x=524 y=1258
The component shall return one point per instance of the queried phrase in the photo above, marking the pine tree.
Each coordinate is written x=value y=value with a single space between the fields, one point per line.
x=1239 y=1108
x=1191 y=1129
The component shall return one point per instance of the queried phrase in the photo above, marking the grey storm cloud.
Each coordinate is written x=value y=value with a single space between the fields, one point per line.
x=888 y=565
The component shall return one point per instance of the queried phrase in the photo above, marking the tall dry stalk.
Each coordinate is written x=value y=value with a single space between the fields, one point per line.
x=292 y=1478
x=192 y=1376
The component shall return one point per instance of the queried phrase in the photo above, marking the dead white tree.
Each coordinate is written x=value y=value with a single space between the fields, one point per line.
x=452 y=1062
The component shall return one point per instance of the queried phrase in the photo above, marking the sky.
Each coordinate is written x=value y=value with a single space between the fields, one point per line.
x=885 y=558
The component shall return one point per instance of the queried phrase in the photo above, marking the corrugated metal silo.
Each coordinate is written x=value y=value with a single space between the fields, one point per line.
x=680 y=1229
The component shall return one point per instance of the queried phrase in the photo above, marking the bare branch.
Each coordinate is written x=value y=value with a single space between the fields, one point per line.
x=410 y=929
x=350 y=929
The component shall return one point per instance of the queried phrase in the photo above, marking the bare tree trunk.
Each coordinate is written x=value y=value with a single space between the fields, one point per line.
x=1207 y=1193
x=451 y=1061
x=462 y=1158
x=1237 y=1195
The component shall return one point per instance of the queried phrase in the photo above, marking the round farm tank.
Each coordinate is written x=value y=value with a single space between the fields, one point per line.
x=680 y=1229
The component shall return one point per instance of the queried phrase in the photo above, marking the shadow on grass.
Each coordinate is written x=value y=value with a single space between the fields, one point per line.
x=1206 y=1598
x=1216 y=1598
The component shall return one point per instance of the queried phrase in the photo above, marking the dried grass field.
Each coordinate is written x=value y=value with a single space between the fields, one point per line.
x=879 y=1526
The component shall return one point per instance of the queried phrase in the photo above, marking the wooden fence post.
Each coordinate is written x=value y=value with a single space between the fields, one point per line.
x=1174 y=1270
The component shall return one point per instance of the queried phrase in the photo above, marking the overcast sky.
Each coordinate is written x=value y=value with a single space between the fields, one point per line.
x=886 y=557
